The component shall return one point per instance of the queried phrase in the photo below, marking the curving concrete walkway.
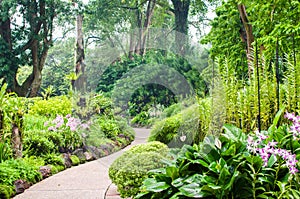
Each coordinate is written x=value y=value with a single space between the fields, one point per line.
x=86 y=181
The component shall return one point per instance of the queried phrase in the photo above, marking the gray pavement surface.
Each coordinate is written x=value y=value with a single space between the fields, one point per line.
x=86 y=181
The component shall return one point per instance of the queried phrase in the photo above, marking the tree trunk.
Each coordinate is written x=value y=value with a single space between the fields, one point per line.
x=181 y=11
x=131 y=44
x=149 y=14
x=79 y=56
x=139 y=31
x=40 y=24
x=17 y=136
x=247 y=36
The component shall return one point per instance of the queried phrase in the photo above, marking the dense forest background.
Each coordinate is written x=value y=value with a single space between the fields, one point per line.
x=50 y=47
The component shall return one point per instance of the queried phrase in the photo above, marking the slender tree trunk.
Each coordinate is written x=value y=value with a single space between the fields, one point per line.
x=181 y=11
x=139 y=31
x=17 y=136
x=80 y=83
x=247 y=35
x=149 y=14
x=131 y=44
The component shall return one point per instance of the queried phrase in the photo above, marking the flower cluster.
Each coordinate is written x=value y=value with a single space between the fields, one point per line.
x=256 y=144
x=70 y=122
x=295 y=127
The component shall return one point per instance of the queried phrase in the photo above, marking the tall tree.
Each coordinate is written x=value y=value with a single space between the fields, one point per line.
x=26 y=32
x=237 y=26
x=79 y=56
x=246 y=35
x=181 y=11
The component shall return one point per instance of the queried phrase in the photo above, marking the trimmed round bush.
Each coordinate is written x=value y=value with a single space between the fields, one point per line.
x=131 y=168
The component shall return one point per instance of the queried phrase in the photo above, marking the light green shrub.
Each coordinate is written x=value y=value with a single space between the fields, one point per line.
x=6 y=191
x=12 y=170
x=59 y=105
x=186 y=127
x=75 y=160
x=54 y=159
x=131 y=168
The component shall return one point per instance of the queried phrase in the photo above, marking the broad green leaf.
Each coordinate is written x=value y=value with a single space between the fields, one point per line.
x=230 y=152
x=192 y=190
x=152 y=185
x=172 y=172
x=272 y=160
x=278 y=115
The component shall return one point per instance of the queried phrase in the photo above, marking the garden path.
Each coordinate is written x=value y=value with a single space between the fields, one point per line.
x=86 y=181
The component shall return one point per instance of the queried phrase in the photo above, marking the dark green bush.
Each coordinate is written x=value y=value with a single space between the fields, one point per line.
x=37 y=144
x=129 y=170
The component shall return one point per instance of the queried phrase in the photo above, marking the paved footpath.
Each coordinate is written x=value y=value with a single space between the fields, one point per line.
x=86 y=181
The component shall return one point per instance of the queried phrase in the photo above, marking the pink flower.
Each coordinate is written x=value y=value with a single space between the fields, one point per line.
x=289 y=116
x=293 y=170
x=51 y=128
x=272 y=143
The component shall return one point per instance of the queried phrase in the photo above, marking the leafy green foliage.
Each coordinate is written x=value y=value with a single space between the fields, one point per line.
x=12 y=170
x=5 y=151
x=6 y=191
x=192 y=123
x=145 y=96
x=141 y=119
x=59 y=63
x=241 y=96
x=129 y=170
x=54 y=159
x=60 y=105
x=219 y=168
x=37 y=144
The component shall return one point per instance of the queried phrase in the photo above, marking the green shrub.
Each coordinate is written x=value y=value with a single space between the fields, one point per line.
x=54 y=159
x=75 y=160
x=5 y=150
x=6 y=191
x=125 y=129
x=141 y=119
x=129 y=170
x=56 y=168
x=172 y=110
x=37 y=162
x=109 y=127
x=182 y=128
x=12 y=170
x=34 y=122
x=37 y=144
x=59 y=105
